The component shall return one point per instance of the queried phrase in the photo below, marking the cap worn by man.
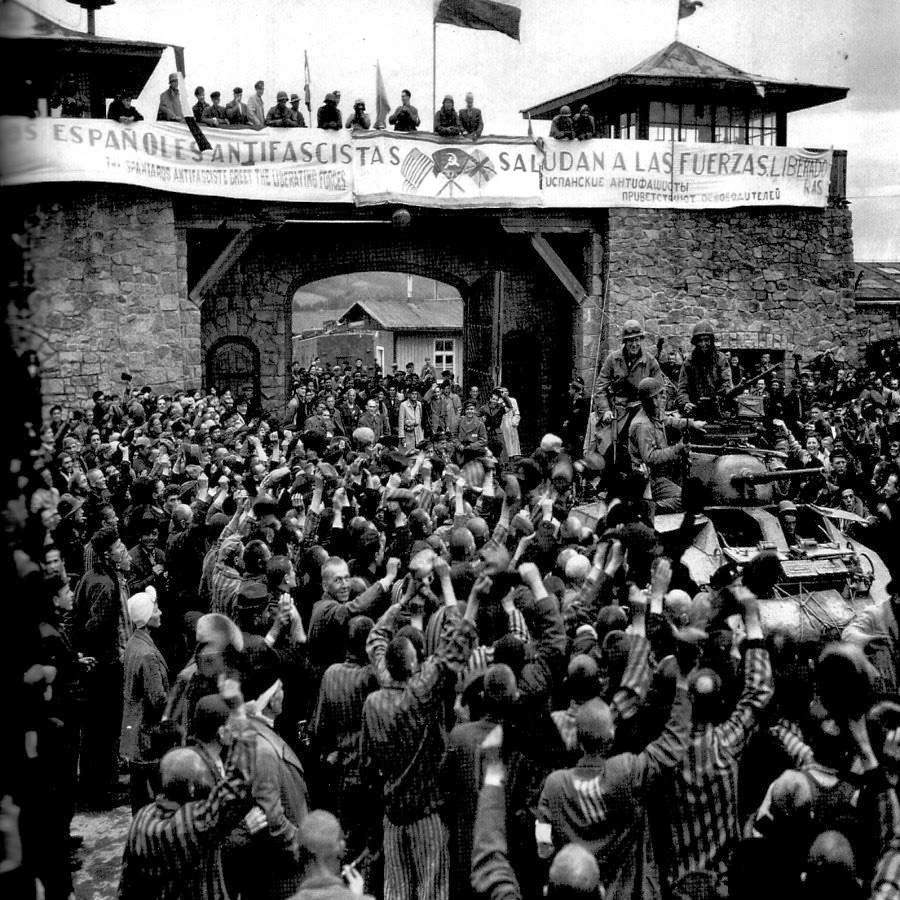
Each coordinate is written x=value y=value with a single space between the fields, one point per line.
x=141 y=606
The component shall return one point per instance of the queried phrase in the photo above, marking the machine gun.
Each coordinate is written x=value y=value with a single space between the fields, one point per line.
x=727 y=424
x=739 y=388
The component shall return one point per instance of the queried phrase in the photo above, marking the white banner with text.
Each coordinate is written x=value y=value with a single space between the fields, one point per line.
x=368 y=168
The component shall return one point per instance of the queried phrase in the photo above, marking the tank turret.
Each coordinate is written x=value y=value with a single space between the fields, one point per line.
x=741 y=479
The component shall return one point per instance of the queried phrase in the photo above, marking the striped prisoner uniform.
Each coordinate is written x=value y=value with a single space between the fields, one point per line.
x=174 y=852
x=337 y=730
x=704 y=788
x=403 y=743
x=601 y=803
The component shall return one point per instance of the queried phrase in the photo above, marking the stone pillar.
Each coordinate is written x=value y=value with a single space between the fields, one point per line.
x=110 y=292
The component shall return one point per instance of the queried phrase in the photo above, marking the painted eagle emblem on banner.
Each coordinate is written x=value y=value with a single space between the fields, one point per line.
x=451 y=163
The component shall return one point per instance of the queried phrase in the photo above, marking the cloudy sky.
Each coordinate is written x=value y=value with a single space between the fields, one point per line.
x=565 y=44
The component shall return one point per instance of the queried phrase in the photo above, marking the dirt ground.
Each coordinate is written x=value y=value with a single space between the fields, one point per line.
x=104 y=837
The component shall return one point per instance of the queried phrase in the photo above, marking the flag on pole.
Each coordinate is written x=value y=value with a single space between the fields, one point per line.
x=484 y=15
x=307 y=93
x=382 y=106
x=687 y=8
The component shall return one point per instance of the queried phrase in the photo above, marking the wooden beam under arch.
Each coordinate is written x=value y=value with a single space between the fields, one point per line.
x=558 y=267
x=223 y=264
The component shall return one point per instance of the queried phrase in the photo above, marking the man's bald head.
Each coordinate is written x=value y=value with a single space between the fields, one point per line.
x=791 y=796
x=594 y=726
x=321 y=835
x=422 y=564
x=182 y=515
x=495 y=559
x=831 y=867
x=462 y=544
x=582 y=678
x=706 y=694
x=571 y=528
x=500 y=688
x=479 y=529
x=574 y=873
x=184 y=775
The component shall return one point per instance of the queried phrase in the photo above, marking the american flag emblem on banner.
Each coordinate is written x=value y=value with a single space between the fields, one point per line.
x=415 y=169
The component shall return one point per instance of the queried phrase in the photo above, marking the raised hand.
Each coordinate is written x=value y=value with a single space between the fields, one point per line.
x=660 y=576
x=441 y=568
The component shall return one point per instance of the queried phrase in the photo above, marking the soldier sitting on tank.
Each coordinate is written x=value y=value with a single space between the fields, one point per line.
x=705 y=375
x=649 y=448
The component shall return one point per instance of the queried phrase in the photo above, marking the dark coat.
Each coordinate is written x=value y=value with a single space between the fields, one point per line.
x=146 y=689
x=279 y=788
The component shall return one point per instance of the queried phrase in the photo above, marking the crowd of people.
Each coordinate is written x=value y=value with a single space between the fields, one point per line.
x=368 y=644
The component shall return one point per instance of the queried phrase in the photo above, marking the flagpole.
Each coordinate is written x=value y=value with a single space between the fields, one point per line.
x=433 y=67
x=677 y=17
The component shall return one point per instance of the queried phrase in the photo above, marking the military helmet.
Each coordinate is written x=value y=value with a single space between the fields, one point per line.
x=632 y=329
x=704 y=326
x=649 y=388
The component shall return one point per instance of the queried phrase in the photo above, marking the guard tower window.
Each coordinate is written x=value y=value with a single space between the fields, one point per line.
x=762 y=129
x=688 y=123
x=731 y=125
x=627 y=128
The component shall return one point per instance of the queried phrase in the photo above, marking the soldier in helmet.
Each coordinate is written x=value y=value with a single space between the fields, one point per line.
x=705 y=375
x=622 y=371
x=649 y=448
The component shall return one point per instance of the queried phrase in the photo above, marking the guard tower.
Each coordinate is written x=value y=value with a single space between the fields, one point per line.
x=682 y=94
x=43 y=60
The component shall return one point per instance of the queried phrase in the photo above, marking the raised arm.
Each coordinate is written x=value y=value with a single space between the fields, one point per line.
x=538 y=675
x=492 y=874
x=758 y=687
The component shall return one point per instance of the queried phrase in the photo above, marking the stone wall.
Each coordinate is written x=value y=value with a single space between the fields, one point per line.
x=767 y=278
x=110 y=291
x=875 y=321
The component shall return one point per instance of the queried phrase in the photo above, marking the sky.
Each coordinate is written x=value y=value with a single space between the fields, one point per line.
x=565 y=44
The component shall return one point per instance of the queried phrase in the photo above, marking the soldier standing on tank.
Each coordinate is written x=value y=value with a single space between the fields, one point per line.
x=616 y=401
x=705 y=375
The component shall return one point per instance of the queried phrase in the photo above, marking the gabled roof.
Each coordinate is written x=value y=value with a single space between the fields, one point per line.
x=20 y=22
x=43 y=52
x=680 y=61
x=680 y=66
x=877 y=281
x=445 y=314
